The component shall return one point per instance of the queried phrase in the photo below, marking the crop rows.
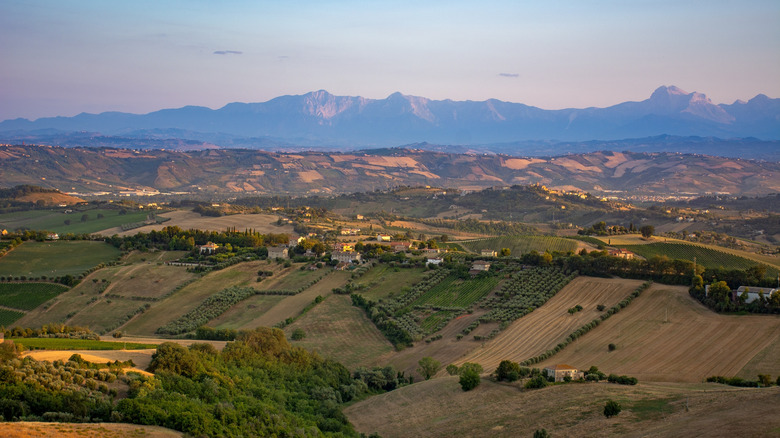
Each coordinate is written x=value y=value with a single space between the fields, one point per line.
x=527 y=290
x=8 y=317
x=522 y=244
x=209 y=309
x=451 y=293
x=28 y=296
x=707 y=257
x=414 y=292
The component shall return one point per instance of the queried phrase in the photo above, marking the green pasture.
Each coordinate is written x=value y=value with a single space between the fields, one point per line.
x=521 y=244
x=55 y=258
x=78 y=344
x=54 y=220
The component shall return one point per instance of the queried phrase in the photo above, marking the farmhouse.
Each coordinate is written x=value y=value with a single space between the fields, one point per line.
x=754 y=293
x=209 y=248
x=277 y=252
x=52 y=236
x=345 y=256
x=431 y=251
x=622 y=253
x=383 y=237
x=434 y=260
x=488 y=253
x=350 y=231
x=480 y=265
x=399 y=246
x=561 y=371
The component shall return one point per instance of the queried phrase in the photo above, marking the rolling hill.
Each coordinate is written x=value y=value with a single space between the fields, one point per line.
x=245 y=172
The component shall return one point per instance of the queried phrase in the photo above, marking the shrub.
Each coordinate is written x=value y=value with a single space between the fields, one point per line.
x=541 y=433
x=536 y=383
x=452 y=369
x=469 y=379
x=601 y=307
x=298 y=334
x=612 y=408
x=612 y=347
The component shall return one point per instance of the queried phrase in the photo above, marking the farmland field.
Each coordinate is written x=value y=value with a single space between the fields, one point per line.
x=28 y=296
x=707 y=257
x=667 y=336
x=550 y=324
x=55 y=259
x=522 y=244
x=189 y=297
x=25 y=429
x=337 y=330
x=383 y=281
x=186 y=219
x=78 y=344
x=8 y=317
x=291 y=306
x=143 y=279
x=453 y=291
x=54 y=220
x=439 y=408
x=65 y=305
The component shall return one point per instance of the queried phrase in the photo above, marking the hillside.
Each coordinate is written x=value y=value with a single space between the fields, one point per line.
x=439 y=408
x=244 y=172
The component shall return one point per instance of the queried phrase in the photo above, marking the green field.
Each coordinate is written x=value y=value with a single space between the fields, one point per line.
x=78 y=344
x=55 y=259
x=521 y=244
x=453 y=291
x=8 y=317
x=707 y=257
x=28 y=296
x=54 y=220
x=295 y=279
x=383 y=281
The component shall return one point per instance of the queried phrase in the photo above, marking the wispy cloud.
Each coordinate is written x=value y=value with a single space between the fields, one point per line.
x=509 y=75
x=227 y=52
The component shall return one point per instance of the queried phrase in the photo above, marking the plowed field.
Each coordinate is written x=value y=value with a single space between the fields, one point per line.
x=550 y=324
x=665 y=335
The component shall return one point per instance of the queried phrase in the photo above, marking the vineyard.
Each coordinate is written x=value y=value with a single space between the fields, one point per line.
x=707 y=257
x=522 y=244
x=428 y=306
x=28 y=296
x=8 y=317
x=56 y=259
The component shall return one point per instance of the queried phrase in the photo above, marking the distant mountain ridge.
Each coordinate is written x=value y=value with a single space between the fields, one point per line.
x=320 y=118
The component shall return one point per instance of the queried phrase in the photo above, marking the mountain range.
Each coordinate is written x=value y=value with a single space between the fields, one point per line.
x=322 y=120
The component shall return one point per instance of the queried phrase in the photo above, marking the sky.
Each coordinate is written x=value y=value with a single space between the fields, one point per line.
x=61 y=58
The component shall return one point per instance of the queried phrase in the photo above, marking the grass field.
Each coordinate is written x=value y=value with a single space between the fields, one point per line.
x=337 y=330
x=55 y=259
x=522 y=244
x=292 y=305
x=667 y=336
x=189 y=297
x=54 y=220
x=145 y=279
x=186 y=219
x=439 y=408
x=710 y=257
x=550 y=324
x=28 y=296
x=294 y=279
x=383 y=281
x=78 y=344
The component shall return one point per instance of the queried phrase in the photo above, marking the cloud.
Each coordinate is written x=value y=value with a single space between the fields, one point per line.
x=227 y=52
x=509 y=75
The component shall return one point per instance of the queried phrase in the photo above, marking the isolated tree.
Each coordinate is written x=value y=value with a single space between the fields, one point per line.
x=612 y=408
x=428 y=367
x=84 y=217
x=647 y=231
x=298 y=334
x=452 y=369
x=505 y=252
x=508 y=370
x=67 y=221
x=469 y=379
x=541 y=433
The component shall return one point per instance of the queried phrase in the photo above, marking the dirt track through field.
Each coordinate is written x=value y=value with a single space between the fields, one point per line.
x=550 y=324
x=665 y=335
